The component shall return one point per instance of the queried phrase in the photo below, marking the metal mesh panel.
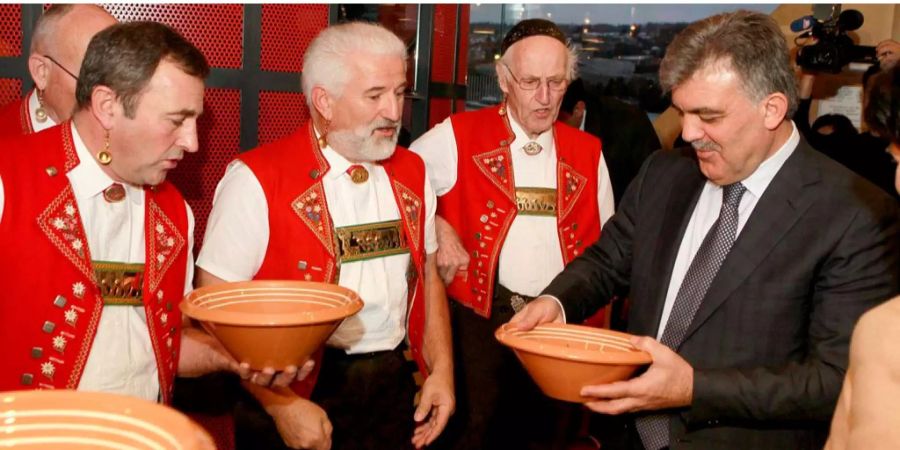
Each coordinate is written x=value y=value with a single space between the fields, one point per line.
x=10 y=30
x=280 y=113
x=443 y=43
x=286 y=32
x=198 y=174
x=10 y=89
x=217 y=30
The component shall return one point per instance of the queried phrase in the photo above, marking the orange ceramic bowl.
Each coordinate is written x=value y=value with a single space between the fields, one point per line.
x=271 y=323
x=75 y=420
x=563 y=358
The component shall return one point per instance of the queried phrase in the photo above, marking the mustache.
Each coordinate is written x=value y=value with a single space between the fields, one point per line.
x=704 y=145
x=384 y=123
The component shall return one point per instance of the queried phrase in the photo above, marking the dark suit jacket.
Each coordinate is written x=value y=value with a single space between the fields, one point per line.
x=769 y=343
x=627 y=135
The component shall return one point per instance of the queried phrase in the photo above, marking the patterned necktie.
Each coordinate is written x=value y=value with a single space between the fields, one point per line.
x=654 y=428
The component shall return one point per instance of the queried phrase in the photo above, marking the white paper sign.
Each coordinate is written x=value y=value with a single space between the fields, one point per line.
x=847 y=102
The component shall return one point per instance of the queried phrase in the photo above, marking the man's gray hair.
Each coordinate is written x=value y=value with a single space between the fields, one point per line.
x=325 y=62
x=46 y=25
x=571 y=61
x=751 y=42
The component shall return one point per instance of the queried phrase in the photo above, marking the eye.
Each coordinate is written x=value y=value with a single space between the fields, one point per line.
x=177 y=122
x=709 y=119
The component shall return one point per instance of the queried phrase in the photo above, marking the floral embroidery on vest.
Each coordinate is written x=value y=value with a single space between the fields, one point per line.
x=61 y=223
x=496 y=166
x=310 y=206
x=167 y=243
x=411 y=207
x=569 y=184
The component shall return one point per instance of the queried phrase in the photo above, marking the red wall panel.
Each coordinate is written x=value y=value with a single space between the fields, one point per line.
x=198 y=174
x=10 y=89
x=10 y=30
x=286 y=32
x=443 y=43
x=217 y=30
x=280 y=113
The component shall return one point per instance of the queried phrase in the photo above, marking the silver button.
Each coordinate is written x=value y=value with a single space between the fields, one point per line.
x=59 y=301
x=37 y=352
x=302 y=265
x=27 y=378
x=48 y=327
x=484 y=218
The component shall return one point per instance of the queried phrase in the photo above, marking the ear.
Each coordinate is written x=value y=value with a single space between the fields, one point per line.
x=40 y=71
x=105 y=106
x=502 y=77
x=322 y=101
x=775 y=107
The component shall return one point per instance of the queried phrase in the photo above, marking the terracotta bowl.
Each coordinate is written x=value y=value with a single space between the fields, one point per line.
x=271 y=323
x=76 y=420
x=563 y=358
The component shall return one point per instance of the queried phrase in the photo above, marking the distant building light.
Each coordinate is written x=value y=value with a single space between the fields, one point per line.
x=496 y=56
x=487 y=31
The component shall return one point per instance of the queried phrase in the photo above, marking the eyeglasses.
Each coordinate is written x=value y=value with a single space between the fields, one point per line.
x=61 y=67
x=530 y=84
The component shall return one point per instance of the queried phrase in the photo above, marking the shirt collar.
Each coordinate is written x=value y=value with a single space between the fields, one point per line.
x=87 y=178
x=33 y=105
x=545 y=138
x=759 y=180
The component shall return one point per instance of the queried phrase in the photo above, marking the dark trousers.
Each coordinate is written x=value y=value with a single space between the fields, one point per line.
x=368 y=398
x=498 y=406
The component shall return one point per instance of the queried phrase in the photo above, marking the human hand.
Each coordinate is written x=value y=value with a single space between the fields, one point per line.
x=540 y=310
x=302 y=424
x=667 y=383
x=435 y=407
x=451 y=255
x=269 y=377
x=888 y=53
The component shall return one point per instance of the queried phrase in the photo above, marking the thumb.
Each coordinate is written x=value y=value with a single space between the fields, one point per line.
x=423 y=409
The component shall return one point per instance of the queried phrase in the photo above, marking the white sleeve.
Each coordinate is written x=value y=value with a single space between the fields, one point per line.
x=189 y=273
x=438 y=148
x=431 y=244
x=237 y=233
x=605 y=199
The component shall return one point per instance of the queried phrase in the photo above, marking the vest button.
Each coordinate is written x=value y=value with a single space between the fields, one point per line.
x=478 y=236
x=490 y=204
x=27 y=378
x=574 y=226
x=314 y=174
x=484 y=218
x=51 y=171
x=302 y=265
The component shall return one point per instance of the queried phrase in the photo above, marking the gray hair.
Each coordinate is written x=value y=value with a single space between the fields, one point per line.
x=571 y=60
x=325 y=62
x=751 y=42
x=46 y=25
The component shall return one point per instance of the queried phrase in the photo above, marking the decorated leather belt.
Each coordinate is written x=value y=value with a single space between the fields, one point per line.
x=533 y=201
x=504 y=297
x=121 y=284
x=371 y=240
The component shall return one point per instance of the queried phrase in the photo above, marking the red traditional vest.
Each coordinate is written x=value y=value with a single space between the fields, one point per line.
x=302 y=244
x=481 y=205
x=15 y=119
x=50 y=304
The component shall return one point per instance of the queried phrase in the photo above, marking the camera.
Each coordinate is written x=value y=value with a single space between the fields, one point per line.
x=833 y=49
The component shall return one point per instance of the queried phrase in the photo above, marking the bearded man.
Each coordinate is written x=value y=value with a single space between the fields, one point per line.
x=304 y=207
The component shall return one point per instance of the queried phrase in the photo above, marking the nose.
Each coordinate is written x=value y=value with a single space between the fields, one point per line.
x=691 y=129
x=188 y=139
x=393 y=107
x=542 y=94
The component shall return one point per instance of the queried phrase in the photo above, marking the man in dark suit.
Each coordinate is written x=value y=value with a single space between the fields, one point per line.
x=626 y=132
x=749 y=259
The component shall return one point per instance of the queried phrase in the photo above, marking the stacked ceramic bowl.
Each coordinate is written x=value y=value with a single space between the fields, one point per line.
x=562 y=358
x=74 y=420
x=271 y=323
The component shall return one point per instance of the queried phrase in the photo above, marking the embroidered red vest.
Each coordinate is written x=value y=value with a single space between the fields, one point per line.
x=15 y=119
x=302 y=244
x=481 y=205
x=50 y=306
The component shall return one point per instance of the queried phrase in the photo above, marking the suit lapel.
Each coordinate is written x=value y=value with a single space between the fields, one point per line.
x=683 y=197
x=785 y=200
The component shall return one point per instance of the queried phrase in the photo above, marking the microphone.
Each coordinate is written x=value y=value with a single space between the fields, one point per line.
x=802 y=24
x=850 y=20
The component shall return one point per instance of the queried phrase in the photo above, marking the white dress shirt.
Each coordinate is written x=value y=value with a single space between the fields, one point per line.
x=530 y=257
x=121 y=359
x=706 y=212
x=237 y=238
